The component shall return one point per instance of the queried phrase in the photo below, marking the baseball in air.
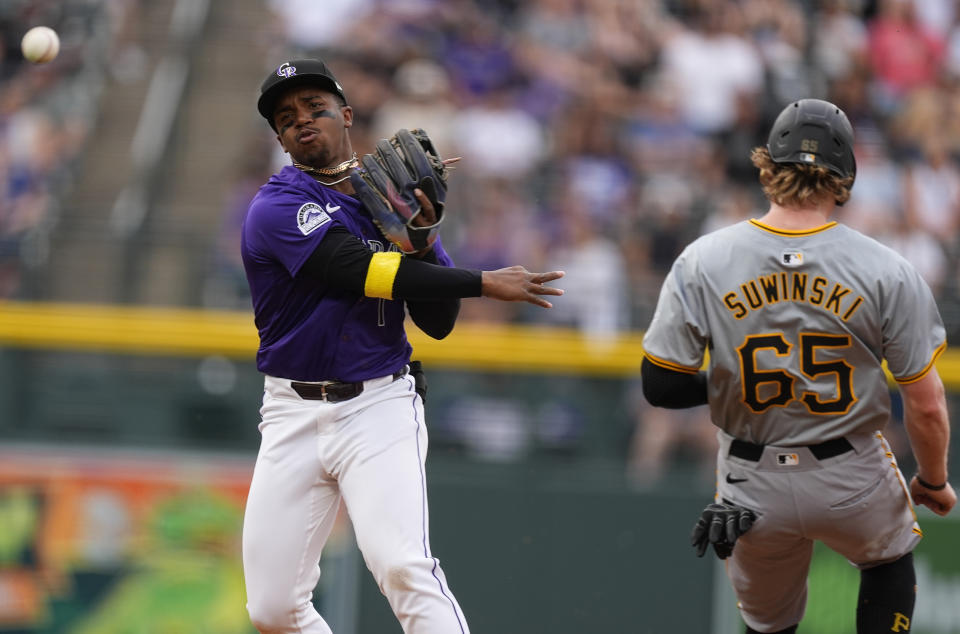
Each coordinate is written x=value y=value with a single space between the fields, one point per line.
x=40 y=44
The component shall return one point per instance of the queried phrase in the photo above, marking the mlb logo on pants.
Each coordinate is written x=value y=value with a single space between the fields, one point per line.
x=788 y=459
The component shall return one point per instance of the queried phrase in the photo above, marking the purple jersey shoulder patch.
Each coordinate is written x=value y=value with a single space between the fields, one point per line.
x=311 y=215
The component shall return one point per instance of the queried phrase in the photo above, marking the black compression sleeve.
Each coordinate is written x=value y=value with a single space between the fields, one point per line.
x=434 y=317
x=342 y=260
x=419 y=279
x=672 y=389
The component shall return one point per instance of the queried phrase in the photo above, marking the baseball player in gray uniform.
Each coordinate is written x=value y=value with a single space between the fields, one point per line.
x=342 y=418
x=797 y=314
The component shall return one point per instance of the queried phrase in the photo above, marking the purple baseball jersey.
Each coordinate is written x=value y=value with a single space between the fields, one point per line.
x=310 y=331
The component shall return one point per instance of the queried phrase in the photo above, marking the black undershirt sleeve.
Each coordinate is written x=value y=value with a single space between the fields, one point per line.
x=672 y=389
x=434 y=317
x=340 y=260
x=424 y=279
x=432 y=291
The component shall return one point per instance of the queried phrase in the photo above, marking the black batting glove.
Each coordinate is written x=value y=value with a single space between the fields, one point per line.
x=720 y=525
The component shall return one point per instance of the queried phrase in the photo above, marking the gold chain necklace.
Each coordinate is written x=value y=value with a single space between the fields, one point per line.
x=330 y=183
x=330 y=171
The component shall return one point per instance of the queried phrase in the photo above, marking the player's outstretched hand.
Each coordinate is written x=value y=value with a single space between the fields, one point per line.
x=721 y=525
x=940 y=502
x=517 y=284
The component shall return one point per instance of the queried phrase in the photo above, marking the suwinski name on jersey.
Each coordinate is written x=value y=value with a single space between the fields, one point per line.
x=783 y=286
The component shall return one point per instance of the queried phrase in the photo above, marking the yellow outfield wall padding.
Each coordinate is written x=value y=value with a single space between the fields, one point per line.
x=145 y=330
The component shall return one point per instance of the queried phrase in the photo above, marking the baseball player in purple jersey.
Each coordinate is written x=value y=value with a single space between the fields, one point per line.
x=342 y=420
x=798 y=314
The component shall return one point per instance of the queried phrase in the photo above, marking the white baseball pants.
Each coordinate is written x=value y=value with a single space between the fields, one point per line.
x=369 y=452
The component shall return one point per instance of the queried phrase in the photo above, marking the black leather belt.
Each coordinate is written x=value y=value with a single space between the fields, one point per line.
x=333 y=391
x=752 y=452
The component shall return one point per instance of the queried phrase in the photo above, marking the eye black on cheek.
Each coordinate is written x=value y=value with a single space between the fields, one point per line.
x=327 y=114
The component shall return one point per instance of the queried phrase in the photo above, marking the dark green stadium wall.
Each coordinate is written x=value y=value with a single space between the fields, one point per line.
x=535 y=549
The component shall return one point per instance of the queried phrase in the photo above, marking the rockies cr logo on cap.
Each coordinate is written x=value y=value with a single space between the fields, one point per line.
x=286 y=70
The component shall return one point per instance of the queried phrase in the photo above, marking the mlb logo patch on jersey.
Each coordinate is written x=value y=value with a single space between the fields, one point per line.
x=310 y=216
x=791 y=258
x=788 y=459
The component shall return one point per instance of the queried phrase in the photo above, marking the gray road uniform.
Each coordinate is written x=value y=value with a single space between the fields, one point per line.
x=797 y=325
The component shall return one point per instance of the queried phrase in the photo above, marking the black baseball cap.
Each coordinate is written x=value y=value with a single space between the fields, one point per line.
x=295 y=72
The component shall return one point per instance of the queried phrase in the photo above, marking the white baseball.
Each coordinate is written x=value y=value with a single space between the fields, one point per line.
x=40 y=44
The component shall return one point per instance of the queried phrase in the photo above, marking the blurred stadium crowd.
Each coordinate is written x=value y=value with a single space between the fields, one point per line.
x=601 y=136
x=598 y=136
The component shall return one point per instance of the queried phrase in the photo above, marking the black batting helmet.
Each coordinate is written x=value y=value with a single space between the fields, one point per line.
x=813 y=132
x=292 y=73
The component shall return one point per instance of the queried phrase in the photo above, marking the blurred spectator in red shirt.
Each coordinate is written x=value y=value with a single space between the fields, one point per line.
x=904 y=55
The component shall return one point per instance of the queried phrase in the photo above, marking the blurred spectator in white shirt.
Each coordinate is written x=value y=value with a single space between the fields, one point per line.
x=711 y=65
x=932 y=192
x=839 y=39
x=307 y=27
x=498 y=139
x=421 y=100
x=876 y=203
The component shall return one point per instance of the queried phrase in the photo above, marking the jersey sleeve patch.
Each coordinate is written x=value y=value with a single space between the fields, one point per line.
x=381 y=274
x=310 y=216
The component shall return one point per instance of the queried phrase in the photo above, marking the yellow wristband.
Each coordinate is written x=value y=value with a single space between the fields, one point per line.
x=380 y=275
